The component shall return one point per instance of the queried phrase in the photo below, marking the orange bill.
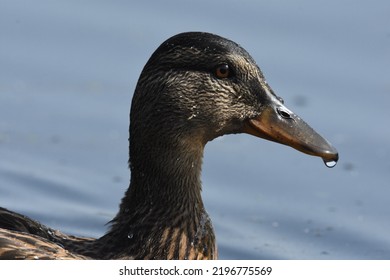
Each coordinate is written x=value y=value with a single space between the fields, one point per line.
x=277 y=123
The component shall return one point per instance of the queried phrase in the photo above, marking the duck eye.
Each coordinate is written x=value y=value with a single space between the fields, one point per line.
x=222 y=71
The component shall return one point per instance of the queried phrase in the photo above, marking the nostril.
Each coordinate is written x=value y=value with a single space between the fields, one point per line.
x=283 y=113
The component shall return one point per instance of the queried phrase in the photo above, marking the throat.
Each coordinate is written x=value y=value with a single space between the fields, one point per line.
x=167 y=175
x=162 y=215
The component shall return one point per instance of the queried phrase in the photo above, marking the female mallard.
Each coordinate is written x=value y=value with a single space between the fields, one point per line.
x=194 y=88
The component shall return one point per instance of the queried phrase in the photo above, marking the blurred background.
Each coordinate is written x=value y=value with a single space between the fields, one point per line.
x=68 y=70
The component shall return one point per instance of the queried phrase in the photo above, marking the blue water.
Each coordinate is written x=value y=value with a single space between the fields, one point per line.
x=67 y=73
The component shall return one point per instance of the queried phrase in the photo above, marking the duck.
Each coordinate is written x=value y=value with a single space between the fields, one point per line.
x=195 y=87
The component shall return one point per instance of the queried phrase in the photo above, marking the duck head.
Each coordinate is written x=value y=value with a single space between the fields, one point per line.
x=198 y=86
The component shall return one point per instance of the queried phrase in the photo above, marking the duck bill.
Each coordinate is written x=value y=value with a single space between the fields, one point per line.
x=277 y=123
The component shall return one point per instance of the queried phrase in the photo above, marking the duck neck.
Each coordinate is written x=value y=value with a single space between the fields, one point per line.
x=162 y=214
x=167 y=174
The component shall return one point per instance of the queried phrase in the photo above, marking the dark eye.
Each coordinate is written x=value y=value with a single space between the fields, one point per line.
x=222 y=71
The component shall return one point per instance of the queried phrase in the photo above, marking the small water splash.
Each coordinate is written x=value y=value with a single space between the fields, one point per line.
x=330 y=163
x=130 y=235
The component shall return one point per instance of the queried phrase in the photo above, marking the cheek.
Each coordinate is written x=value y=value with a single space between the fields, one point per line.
x=225 y=108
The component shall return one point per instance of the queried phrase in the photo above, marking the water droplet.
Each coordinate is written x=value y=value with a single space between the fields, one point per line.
x=192 y=116
x=130 y=236
x=330 y=163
